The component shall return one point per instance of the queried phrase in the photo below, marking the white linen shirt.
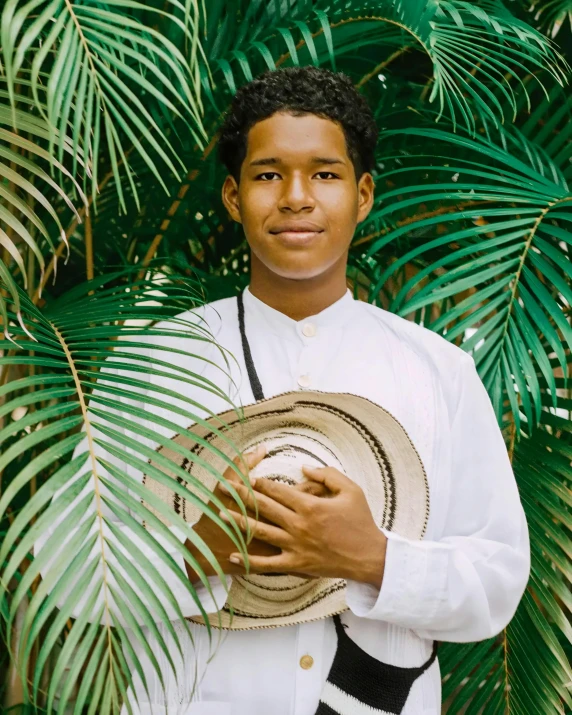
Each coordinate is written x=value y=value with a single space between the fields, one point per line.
x=461 y=583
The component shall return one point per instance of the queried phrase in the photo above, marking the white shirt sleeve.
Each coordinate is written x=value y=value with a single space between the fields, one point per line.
x=125 y=526
x=467 y=585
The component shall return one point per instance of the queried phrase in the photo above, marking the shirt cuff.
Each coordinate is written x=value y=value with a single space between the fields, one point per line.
x=413 y=588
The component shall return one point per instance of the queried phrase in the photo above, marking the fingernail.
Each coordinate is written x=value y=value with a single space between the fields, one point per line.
x=224 y=516
x=224 y=488
x=309 y=467
x=234 y=559
x=252 y=481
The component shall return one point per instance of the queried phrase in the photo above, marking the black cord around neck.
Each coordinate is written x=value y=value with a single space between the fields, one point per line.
x=255 y=384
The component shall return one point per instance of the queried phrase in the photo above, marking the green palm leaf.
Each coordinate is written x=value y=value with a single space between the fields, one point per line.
x=472 y=48
x=108 y=552
x=102 y=63
x=503 y=242
x=21 y=170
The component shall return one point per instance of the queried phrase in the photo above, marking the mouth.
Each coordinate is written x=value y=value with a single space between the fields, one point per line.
x=296 y=235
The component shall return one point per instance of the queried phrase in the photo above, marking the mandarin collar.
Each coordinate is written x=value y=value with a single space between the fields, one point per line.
x=334 y=316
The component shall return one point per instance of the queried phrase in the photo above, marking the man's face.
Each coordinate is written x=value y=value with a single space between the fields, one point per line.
x=298 y=200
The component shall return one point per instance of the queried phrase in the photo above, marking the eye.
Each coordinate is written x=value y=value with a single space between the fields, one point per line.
x=327 y=174
x=264 y=177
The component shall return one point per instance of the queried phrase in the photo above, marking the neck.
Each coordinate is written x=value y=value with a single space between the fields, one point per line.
x=298 y=298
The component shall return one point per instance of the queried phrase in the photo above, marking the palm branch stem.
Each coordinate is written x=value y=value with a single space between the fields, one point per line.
x=382 y=65
x=377 y=18
x=527 y=245
x=96 y=489
x=512 y=440
x=89 y=58
x=83 y=211
x=31 y=270
x=52 y=264
x=192 y=176
x=505 y=661
x=419 y=217
x=346 y=21
x=88 y=247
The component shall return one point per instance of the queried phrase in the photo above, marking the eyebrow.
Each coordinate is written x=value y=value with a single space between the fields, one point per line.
x=274 y=161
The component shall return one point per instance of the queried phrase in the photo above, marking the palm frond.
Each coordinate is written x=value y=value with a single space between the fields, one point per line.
x=95 y=71
x=111 y=550
x=473 y=48
x=22 y=178
x=499 y=235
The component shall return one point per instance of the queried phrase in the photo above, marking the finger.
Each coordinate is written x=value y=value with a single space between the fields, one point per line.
x=259 y=530
x=263 y=505
x=263 y=564
x=314 y=488
x=245 y=462
x=330 y=477
x=287 y=496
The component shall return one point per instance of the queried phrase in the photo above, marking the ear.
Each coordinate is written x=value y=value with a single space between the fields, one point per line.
x=366 y=188
x=230 y=198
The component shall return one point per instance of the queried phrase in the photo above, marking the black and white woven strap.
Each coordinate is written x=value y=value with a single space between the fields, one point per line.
x=357 y=684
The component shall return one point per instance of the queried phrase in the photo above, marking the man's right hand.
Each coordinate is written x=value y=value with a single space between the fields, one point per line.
x=218 y=541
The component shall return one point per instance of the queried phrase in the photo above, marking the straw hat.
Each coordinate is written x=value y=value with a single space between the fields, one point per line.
x=340 y=430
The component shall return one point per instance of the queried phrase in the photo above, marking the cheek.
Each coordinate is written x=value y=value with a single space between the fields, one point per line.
x=257 y=205
x=341 y=208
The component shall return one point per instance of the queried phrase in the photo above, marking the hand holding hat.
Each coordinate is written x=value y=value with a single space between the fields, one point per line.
x=333 y=537
x=312 y=546
x=216 y=539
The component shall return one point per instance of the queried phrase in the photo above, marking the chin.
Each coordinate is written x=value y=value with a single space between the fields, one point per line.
x=299 y=270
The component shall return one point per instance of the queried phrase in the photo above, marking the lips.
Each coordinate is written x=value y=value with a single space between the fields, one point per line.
x=296 y=227
x=296 y=233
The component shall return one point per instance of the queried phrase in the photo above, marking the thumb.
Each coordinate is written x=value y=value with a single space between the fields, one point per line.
x=254 y=456
x=245 y=462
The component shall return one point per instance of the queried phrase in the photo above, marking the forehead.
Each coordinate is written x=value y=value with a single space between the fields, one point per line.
x=295 y=138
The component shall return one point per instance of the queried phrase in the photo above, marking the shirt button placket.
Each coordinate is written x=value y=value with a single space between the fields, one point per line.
x=307 y=330
x=309 y=667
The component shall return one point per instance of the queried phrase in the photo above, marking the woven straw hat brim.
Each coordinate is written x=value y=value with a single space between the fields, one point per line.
x=346 y=431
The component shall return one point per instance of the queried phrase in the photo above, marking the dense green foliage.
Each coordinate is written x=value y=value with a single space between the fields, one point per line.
x=108 y=119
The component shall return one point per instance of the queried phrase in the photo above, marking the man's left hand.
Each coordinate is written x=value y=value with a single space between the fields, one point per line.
x=331 y=536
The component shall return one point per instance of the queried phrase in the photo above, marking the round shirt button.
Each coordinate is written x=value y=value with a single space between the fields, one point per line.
x=306 y=662
x=304 y=381
x=309 y=330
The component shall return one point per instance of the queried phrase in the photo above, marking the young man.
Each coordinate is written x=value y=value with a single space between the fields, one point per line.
x=299 y=147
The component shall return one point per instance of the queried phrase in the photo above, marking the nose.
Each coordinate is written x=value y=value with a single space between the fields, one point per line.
x=296 y=195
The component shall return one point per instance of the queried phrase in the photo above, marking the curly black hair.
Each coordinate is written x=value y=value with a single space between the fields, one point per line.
x=299 y=91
